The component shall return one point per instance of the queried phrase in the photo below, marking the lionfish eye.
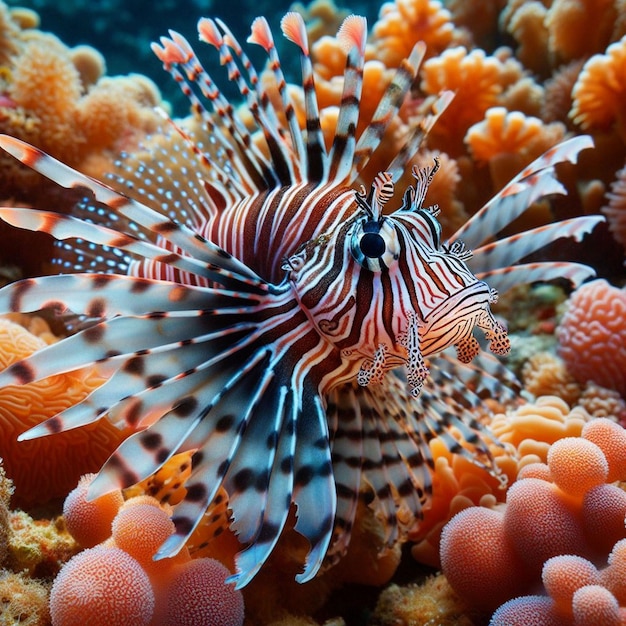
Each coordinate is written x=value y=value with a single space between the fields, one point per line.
x=374 y=244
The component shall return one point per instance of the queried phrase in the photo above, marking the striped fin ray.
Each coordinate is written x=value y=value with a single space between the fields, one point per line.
x=418 y=135
x=345 y=423
x=466 y=383
x=63 y=227
x=504 y=278
x=262 y=35
x=249 y=163
x=113 y=338
x=175 y=232
x=149 y=383
x=207 y=419
x=507 y=251
x=257 y=100
x=274 y=513
x=352 y=34
x=294 y=29
x=533 y=182
x=386 y=110
x=106 y=295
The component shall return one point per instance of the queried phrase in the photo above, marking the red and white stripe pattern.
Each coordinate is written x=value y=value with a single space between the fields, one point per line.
x=267 y=303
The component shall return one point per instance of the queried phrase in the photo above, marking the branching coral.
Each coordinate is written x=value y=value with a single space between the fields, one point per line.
x=510 y=140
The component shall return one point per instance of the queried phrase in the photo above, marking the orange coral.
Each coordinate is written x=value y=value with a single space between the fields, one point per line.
x=578 y=28
x=401 y=24
x=599 y=93
x=477 y=80
x=509 y=140
x=42 y=469
x=526 y=23
x=592 y=335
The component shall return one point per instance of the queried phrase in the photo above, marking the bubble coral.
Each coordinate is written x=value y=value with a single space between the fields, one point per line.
x=592 y=335
x=106 y=584
x=89 y=522
x=546 y=528
x=478 y=559
x=527 y=611
x=42 y=469
x=577 y=465
x=599 y=93
x=197 y=594
x=611 y=438
x=595 y=604
x=563 y=575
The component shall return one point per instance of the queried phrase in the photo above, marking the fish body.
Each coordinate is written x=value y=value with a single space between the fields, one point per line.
x=277 y=320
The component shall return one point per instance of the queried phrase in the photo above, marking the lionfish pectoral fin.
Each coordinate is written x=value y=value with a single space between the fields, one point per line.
x=533 y=182
x=495 y=333
x=314 y=486
x=225 y=268
x=417 y=370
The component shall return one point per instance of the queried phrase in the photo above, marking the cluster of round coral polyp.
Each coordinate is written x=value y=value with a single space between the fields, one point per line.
x=562 y=526
x=115 y=580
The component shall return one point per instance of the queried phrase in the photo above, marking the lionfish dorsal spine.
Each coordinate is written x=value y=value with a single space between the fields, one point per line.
x=386 y=110
x=261 y=35
x=250 y=164
x=352 y=35
x=533 y=182
x=257 y=101
x=294 y=29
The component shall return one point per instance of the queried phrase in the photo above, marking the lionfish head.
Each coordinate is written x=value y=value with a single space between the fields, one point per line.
x=414 y=295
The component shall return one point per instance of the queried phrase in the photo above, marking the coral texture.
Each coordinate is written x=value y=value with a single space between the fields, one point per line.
x=592 y=335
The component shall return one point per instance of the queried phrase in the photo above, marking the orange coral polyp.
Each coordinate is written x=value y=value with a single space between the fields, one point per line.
x=599 y=93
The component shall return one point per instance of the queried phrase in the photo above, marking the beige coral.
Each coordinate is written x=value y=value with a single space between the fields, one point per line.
x=545 y=374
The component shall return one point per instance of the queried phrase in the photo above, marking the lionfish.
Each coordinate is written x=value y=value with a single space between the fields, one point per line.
x=273 y=319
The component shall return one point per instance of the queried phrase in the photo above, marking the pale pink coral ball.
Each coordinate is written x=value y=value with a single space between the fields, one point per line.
x=101 y=587
x=610 y=437
x=540 y=524
x=527 y=611
x=592 y=335
x=563 y=575
x=198 y=595
x=594 y=604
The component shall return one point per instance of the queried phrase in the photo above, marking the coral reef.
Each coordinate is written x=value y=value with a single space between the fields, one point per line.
x=592 y=335
x=43 y=469
x=118 y=582
x=511 y=103
x=551 y=530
